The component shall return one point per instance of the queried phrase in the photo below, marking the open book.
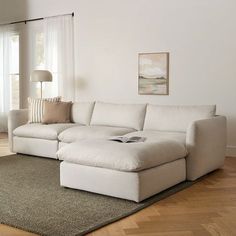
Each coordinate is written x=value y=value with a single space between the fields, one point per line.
x=123 y=139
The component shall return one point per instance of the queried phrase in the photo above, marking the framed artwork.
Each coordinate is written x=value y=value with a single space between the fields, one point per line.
x=153 y=73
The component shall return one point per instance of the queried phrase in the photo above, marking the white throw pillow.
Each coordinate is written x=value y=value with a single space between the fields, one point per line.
x=36 y=108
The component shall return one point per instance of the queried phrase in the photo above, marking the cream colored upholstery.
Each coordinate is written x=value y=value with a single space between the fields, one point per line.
x=119 y=115
x=135 y=186
x=77 y=133
x=81 y=112
x=122 y=156
x=175 y=118
x=160 y=136
x=16 y=118
x=61 y=144
x=206 y=144
x=180 y=141
x=35 y=147
x=41 y=131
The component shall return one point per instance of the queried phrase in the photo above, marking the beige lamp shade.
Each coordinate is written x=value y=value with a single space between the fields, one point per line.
x=41 y=76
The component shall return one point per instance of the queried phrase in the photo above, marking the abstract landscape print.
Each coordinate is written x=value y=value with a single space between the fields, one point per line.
x=153 y=74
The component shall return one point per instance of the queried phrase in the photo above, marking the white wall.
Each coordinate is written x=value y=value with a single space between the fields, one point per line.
x=199 y=34
x=12 y=10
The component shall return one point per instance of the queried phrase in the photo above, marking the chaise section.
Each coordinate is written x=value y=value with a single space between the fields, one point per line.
x=134 y=186
x=133 y=171
x=140 y=170
x=74 y=134
x=122 y=156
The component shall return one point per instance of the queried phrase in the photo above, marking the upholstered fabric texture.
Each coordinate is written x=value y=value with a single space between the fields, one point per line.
x=122 y=156
x=120 y=115
x=41 y=131
x=205 y=134
x=56 y=112
x=16 y=118
x=36 y=108
x=206 y=144
x=35 y=146
x=175 y=118
x=135 y=186
x=159 y=136
x=81 y=112
x=91 y=132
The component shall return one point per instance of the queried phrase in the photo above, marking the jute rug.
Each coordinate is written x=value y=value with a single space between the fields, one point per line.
x=31 y=199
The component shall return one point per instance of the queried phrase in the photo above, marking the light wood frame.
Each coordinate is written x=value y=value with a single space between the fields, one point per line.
x=167 y=72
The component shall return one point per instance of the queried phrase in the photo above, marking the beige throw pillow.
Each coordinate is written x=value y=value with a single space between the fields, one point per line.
x=57 y=112
x=36 y=106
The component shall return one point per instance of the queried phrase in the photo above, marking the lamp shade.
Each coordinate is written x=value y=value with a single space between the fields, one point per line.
x=41 y=76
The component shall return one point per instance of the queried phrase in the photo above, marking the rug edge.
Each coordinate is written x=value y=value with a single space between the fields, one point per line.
x=185 y=184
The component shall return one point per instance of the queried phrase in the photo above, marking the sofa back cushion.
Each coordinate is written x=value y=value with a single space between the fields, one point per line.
x=175 y=118
x=81 y=112
x=119 y=115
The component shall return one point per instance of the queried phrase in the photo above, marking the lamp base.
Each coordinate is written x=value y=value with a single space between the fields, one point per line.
x=41 y=89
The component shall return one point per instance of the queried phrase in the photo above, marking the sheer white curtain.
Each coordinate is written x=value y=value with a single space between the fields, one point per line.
x=47 y=44
x=59 y=56
x=5 y=32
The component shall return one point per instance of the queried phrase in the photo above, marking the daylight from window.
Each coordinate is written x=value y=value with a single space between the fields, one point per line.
x=14 y=71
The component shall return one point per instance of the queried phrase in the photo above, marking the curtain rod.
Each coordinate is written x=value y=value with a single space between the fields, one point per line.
x=35 y=19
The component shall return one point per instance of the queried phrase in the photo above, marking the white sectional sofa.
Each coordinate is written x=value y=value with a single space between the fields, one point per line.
x=182 y=143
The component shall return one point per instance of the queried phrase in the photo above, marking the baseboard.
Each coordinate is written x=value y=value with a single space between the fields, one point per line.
x=231 y=151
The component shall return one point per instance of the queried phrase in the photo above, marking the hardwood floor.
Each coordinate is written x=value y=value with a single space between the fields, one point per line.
x=206 y=208
x=4 y=149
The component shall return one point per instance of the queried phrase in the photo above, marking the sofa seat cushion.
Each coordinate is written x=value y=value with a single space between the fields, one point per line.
x=91 y=132
x=129 y=157
x=157 y=136
x=41 y=131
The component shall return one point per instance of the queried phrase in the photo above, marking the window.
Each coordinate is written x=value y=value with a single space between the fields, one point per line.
x=38 y=57
x=39 y=51
x=47 y=45
x=14 y=71
x=42 y=60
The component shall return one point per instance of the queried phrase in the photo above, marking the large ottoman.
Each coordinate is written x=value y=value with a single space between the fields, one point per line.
x=133 y=171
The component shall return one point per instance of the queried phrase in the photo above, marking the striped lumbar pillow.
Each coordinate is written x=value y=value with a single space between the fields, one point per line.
x=36 y=106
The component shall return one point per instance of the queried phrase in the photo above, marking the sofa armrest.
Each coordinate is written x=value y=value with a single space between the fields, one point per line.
x=206 y=145
x=16 y=118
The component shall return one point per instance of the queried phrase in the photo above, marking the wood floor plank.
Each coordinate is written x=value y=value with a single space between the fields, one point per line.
x=206 y=208
x=10 y=231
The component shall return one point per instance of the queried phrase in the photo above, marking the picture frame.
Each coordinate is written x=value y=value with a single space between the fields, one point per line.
x=153 y=73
